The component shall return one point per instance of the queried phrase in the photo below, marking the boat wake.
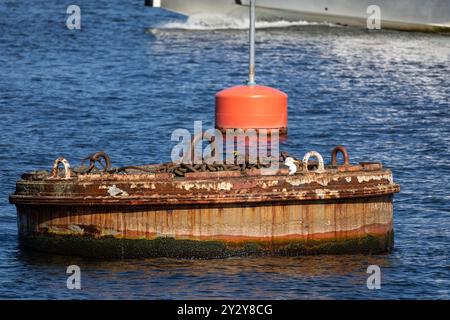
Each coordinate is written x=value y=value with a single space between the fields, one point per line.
x=220 y=22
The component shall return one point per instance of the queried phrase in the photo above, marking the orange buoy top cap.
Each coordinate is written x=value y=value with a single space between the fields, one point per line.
x=251 y=107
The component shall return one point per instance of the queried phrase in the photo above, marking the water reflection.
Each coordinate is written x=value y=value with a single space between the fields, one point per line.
x=252 y=277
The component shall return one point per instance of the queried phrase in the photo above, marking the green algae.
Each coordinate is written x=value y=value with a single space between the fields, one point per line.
x=111 y=247
x=369 y=244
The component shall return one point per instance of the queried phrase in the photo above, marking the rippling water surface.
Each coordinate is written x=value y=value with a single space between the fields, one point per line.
x=133 y=74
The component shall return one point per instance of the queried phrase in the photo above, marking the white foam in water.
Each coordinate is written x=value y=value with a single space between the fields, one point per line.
x=220 y=22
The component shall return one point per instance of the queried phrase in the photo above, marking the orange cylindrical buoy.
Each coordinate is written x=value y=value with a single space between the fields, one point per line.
x=251 y=107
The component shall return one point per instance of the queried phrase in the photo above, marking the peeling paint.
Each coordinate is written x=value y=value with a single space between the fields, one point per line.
x=76 y=229
x=323 y=193
x=113 y=191
x=224 y=186
x=369 y=178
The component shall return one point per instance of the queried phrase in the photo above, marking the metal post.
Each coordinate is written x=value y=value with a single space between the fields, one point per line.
x=251 y=75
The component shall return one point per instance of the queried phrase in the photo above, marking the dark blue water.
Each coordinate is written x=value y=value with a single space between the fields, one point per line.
x=130 y=77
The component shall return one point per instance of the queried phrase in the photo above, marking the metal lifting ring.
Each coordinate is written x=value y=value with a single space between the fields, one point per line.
x=55 y=170
x=344 y=153
x=317 y=155
x=96 y=157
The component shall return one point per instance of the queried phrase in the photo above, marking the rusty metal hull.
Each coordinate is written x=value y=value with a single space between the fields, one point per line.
x=209 y=214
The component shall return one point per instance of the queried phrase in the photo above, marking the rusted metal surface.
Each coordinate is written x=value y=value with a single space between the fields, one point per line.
x=271 y=225
x=235 y=207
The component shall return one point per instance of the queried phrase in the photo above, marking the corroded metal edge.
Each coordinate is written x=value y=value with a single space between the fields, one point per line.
x=161 y=189
x=320 y=194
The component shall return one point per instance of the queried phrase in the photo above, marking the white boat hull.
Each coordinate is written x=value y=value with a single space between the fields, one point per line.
x=420 y=15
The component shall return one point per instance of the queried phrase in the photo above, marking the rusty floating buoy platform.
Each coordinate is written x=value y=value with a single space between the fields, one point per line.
x=207 y=211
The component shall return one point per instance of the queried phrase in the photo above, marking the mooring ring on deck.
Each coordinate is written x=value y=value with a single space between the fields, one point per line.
x=97 y=157
x=318 y=156
x=344 y=153
x=55 y=170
